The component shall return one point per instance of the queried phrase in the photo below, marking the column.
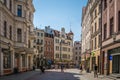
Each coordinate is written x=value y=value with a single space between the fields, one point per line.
x=31 y=61
x=12 y=60
x=1 y=62
x=26 y=61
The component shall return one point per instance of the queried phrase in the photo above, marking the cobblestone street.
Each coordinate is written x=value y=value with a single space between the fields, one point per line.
x=68 y=74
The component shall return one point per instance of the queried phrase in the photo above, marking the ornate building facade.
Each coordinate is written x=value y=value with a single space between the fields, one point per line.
x=110 y=37
x=39 y=45
x=16 y=35
x=86 y=36
x=95 y=13
x=77 y=53
x=63 y=46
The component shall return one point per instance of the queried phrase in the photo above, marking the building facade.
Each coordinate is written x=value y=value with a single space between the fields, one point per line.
x=63 y=46
x=77 y=53
x=16 y=33
x=95 y=13
x=39 y=45
x=110 y=37
x=49 y=45
x=86 y=36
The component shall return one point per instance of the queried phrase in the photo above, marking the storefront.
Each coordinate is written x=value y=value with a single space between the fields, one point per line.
x=114 y=60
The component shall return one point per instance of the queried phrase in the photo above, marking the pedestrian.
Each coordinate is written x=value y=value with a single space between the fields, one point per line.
x=81 y=69
x=95 y=71
x=42 y=69
x=62 y=66
x=33 y=67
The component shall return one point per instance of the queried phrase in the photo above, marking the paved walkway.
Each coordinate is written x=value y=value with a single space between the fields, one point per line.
x=68 y=74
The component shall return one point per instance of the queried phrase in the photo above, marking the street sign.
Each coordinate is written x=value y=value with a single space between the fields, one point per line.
x=110 y=57
x=49 y=62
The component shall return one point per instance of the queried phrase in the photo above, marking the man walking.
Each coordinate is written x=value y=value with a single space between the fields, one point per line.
x=95 y=71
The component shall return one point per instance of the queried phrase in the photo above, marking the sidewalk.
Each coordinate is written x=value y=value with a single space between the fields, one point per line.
x=90 y=76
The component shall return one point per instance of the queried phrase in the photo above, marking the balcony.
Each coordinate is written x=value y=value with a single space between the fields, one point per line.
x=20 y=44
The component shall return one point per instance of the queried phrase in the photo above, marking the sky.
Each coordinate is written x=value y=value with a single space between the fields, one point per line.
x=58 y=14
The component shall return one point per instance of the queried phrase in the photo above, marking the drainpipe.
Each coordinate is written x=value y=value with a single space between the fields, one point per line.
x=101 y=41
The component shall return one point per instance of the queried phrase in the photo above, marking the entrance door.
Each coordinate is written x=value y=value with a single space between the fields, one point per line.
x=93 y=62
x=116 y=64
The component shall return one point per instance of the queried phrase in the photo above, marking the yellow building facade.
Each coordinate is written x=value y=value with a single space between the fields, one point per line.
x=95 y=13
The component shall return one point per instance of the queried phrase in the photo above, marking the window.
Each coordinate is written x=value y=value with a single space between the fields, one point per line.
x=10 y=32
x=23 y=60
x=41 y=41
x=76 y=48
x=5 y=29
x=99 y=8
x=119 y=21
x=5 y=2
x=110 y=1
x=38 y=47
x=79 y=58
x=95 y=13
x=76 y=53
x=38 y=41
x=95 y=44
x=105 y=4
x=10 y=5
x=41 y=48
x=38 y=34
x=68 y=49
x=41 y=34
x=76 y=58
x=29 y=44
x=105 y=31
x=19 y=10
x=99 y=40
x=99 y=23
x=92 y=44
x=111 y=26
x=6 y=60
x=19 y=35
x=57 y=55
x=95 y=27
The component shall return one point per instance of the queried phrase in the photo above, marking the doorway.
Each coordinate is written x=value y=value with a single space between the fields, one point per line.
x=116 y=64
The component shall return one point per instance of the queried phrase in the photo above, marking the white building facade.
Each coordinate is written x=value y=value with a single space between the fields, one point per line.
x=16 y=35
x=77 y=53
x=63 y=46
x=86 y=34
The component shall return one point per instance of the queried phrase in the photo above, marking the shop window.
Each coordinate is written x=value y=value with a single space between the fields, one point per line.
x=7 y=60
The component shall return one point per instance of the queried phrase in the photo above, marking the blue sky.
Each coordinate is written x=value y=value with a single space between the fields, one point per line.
x=59 y=13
